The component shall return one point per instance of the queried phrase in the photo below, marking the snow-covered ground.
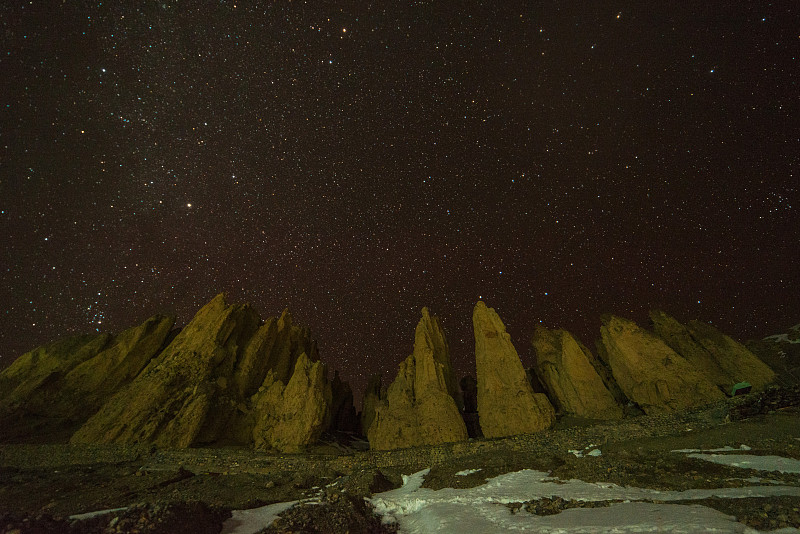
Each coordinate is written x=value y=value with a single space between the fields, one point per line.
x=483 y=509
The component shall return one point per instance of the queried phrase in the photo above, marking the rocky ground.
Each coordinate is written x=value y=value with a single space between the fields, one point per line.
x=194 y=490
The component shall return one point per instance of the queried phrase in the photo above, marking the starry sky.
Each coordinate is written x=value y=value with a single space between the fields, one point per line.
x=356 y=161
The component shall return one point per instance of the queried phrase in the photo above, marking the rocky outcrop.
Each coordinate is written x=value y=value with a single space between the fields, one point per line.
x=46 y=364
x=64 y=383
x=507 y=404
x=96 y=380
x=721 y=359
x=199 y=389
x=649 y=372
x=289 y=418
x=782 y=353
x=574 y=386
x=420 y=407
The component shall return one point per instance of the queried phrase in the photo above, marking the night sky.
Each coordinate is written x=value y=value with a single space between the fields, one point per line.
x=357 y=161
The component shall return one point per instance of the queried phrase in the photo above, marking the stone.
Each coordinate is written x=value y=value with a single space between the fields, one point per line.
x=290 y=418
x=507 y=405
x=572 y=382
x=724 y=361
x=420 y=407
x=649 y=372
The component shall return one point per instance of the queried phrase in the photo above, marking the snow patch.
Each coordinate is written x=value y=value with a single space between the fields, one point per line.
x=482 y=509
x=466 y=472
x=254 y=519
x=89 y=515
x=581 y=453
x=748 y=461
x=726 y=448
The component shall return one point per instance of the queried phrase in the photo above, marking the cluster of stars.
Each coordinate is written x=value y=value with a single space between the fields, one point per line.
x=356 y=163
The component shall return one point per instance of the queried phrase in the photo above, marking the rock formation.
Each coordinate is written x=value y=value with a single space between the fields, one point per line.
x=64 y=383
x=722 y=360
x=420 y=407
x=564 y=368
x=291 y=417
x=507 y=404
x=782 y=353
x=199 y=388
x=649 y=372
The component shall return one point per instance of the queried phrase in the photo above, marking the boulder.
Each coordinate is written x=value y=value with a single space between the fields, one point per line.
x=570 y=379
x=292 y=417
x=649 y=372
x=420 y=407
x=724 y=361
x=507 y=404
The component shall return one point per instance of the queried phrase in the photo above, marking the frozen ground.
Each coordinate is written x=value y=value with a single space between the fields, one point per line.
x=484 y=508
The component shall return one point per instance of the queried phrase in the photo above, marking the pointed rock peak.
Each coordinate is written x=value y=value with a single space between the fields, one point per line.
x=219 y=301
x=488 y=320
x=285 y=319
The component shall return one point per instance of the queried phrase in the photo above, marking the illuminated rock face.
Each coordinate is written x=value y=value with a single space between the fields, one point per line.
x=289 y=418
x=421 y=405
x=57 y=387
x=507 y=404
x=563 y=366
x=721 y=359
x=649 y=372
x=203 y=386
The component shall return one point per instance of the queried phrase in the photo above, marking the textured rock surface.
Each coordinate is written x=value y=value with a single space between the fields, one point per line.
x=570 y=379
x=507 y=404
x=649 y=372
x=199 y=388
x=420 y=407
x=65 y=383
x=290 y=418
x=725 y=362
x=31 y=383
x=96 y=380
x=168 y=402
x=45 y=364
